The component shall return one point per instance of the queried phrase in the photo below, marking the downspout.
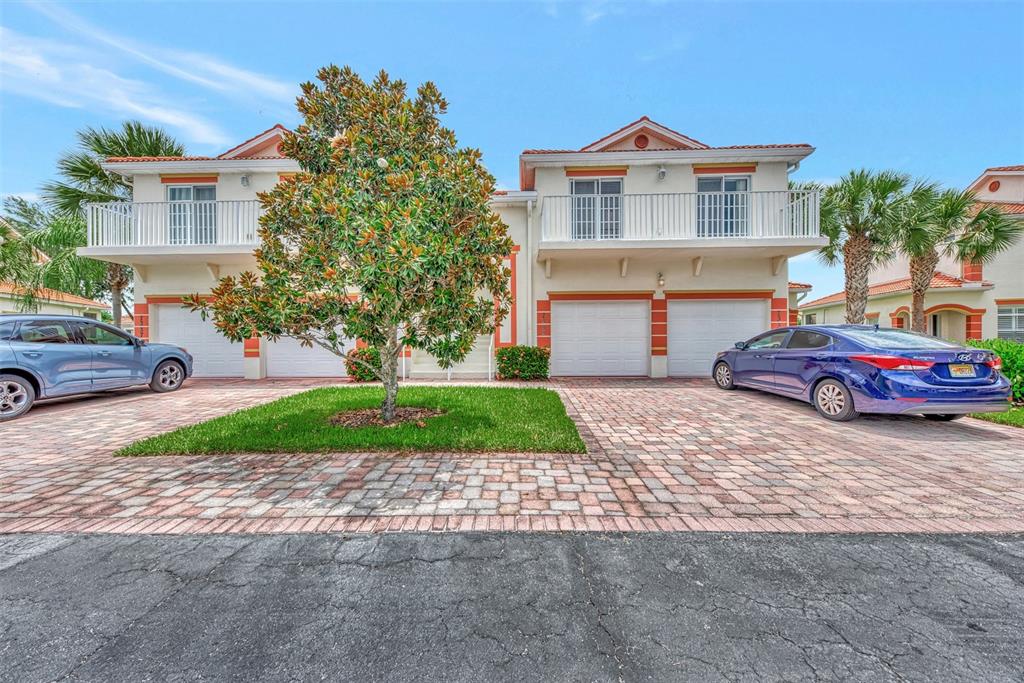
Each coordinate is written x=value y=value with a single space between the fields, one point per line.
x=531 y=334
x=792 y=167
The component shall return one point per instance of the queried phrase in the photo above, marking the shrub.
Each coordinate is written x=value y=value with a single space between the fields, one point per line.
x=358 y=371
x=523 y=362
x=1012 y=354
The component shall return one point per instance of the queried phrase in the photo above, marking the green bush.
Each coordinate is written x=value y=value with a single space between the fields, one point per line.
x=358 y=371
x=1012 y=354
x=523 y=362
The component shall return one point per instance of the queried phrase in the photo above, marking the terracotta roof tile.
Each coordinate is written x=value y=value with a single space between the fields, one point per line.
x=53 y=295
x=1018 y=167
x=799 y=285
x=276 y=126
x=1009 y=208
x=939 y=281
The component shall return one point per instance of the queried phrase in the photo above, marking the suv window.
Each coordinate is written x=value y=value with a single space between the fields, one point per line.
x=808 y=339
x=6 y=331
x=45 y=332
x=768 y=341
x=98 y=334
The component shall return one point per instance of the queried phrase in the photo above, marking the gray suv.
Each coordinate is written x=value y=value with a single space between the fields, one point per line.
x=46 y=356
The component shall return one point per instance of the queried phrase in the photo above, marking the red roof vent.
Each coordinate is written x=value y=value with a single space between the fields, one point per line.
x=993 y=186
x=641 y=141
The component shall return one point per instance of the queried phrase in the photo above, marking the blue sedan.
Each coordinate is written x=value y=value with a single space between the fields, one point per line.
x=845 y=370
x=46 y=356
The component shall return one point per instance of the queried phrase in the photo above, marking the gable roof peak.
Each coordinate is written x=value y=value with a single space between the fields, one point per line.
x=629 y=137
x=257 y=144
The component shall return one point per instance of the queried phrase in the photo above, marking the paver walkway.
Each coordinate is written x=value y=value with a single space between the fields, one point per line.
x=664 y=455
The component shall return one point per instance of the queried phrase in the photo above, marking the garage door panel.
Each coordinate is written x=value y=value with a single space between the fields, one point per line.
x=213 y=354
x=699 y=329
x=287 y=357
x=600 y=338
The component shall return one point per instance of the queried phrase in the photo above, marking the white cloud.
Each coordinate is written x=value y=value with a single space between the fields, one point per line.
x=67 y=76
x=193 y=67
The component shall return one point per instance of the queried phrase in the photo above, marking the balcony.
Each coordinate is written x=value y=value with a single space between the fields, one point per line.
x=145 y=232
x=783 y=223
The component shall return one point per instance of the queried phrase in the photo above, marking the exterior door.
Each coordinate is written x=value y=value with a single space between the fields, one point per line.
x=49 y=348
x=723 y=206
x=756 y=363
x=699 y=329
x=192 y=214
x=600 y=338
x=116 y=360
x=801 y=360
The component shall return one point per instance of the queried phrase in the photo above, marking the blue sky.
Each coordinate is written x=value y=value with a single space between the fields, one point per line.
x=933 y=89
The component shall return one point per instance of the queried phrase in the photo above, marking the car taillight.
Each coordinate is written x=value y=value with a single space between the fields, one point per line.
x=894 y=362
x=996 y=363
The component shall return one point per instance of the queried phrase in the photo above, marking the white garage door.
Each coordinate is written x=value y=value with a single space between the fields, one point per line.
x=697 y=330
x=214 y=355
x=288 y=358
x=600 y=338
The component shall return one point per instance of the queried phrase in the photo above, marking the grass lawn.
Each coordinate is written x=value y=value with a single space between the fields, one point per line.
x=478 y=419
x=1013 y=417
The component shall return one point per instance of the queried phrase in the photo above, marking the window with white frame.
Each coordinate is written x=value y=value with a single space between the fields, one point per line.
x=1011 y=322
x=596 y=208
x=192 y=214
x=723 y=206
x=810 y=318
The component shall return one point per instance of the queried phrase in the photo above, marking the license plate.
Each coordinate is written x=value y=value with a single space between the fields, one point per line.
x=961 y=371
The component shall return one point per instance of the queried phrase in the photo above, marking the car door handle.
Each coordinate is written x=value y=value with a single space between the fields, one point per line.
x=32 y=354
x=820 y=356
x=104 y=354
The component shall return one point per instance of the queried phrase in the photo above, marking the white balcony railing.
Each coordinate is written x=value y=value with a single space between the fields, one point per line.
x=679 y=216
x=173 y=224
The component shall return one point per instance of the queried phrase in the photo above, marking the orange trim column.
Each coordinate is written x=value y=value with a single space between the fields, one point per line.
x=794 y=317
x=971 y=272
x=896 y=321
x=544 y=323
x=141 y=315
x=780 y=312
x=253 y=363
x=659 y=337
x=974 y=328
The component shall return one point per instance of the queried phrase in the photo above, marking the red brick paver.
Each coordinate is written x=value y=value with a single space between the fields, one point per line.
x=664 y=455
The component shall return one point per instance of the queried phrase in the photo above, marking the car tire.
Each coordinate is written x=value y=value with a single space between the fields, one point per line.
x=168 y=376
x=16 y=396
x=944 y=417
x=833 y=401
x=722 y=374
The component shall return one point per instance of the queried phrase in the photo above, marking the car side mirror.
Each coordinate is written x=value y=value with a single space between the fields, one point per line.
x=741 y=345
x=138 y=342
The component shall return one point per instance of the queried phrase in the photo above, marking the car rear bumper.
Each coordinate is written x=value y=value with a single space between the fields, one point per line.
x=895 y=406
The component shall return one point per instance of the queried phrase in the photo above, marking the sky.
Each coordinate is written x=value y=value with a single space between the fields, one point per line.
x=929 y=88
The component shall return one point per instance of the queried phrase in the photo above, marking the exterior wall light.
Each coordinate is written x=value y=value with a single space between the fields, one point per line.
x=662 y=172
x=661 y=280
x=245 y=181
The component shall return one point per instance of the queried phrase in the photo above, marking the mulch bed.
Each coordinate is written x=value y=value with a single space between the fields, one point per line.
x=370 y=417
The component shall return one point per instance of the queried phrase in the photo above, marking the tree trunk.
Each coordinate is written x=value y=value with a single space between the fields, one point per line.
x=389 y=376
x=115 y=298
x=118 y=277
x=922 y=270
x=857 y=256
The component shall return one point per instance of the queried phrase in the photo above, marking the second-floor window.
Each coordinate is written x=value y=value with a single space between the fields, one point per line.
x=192 y=214
x=1011 y=323
x=597 y=208
x=723 y=206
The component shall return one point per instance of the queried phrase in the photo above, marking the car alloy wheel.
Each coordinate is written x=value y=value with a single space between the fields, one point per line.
x=723 y=376
x=14 y=400
x=831 y=399
x=170 y=376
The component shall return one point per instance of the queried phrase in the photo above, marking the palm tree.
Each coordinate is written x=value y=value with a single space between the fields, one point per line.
x=42 y=253
x=858 y=216
x=84 y=181
x=950 y=224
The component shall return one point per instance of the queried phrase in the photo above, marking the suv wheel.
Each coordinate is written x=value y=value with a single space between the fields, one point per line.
x=16 y=396
x=833 y=401
x=723 y=376
x=168 y=377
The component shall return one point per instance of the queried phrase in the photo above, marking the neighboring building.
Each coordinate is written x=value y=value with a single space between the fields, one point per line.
x=964 y=301
x=643 y=253
x=48 y=300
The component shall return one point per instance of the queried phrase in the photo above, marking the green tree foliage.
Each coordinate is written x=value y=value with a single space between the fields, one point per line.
x=386 y=234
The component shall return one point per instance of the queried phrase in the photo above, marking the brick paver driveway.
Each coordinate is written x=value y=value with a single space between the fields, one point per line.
x=664 y=455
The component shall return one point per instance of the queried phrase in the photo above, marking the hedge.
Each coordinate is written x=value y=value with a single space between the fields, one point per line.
x=358 y=371
x=1012 y=354
x=523 y=362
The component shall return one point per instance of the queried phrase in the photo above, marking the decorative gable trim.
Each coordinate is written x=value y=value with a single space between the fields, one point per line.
x=644 y=126
x=260 y=143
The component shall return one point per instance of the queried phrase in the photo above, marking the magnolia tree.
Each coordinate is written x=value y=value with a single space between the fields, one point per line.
x=386 y=234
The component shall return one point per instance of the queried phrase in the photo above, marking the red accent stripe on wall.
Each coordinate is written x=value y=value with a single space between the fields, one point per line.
x=780 y=312
x=794 y=317
x=972 y=272
x=251 y=347
x=596 y=172
x=191 y=180
x=974 y=330
x=659 y=327
x=711 y=294
x=141 y=316
x=544 y=323
x=599 y=296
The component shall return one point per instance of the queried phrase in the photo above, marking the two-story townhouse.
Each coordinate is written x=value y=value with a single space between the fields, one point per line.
x=965 y=300
x=641 y=254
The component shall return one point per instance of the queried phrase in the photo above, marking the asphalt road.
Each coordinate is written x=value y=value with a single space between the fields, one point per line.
x=494 y=607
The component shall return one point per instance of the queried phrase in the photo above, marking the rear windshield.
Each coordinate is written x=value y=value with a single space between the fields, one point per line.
x=897 y=339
